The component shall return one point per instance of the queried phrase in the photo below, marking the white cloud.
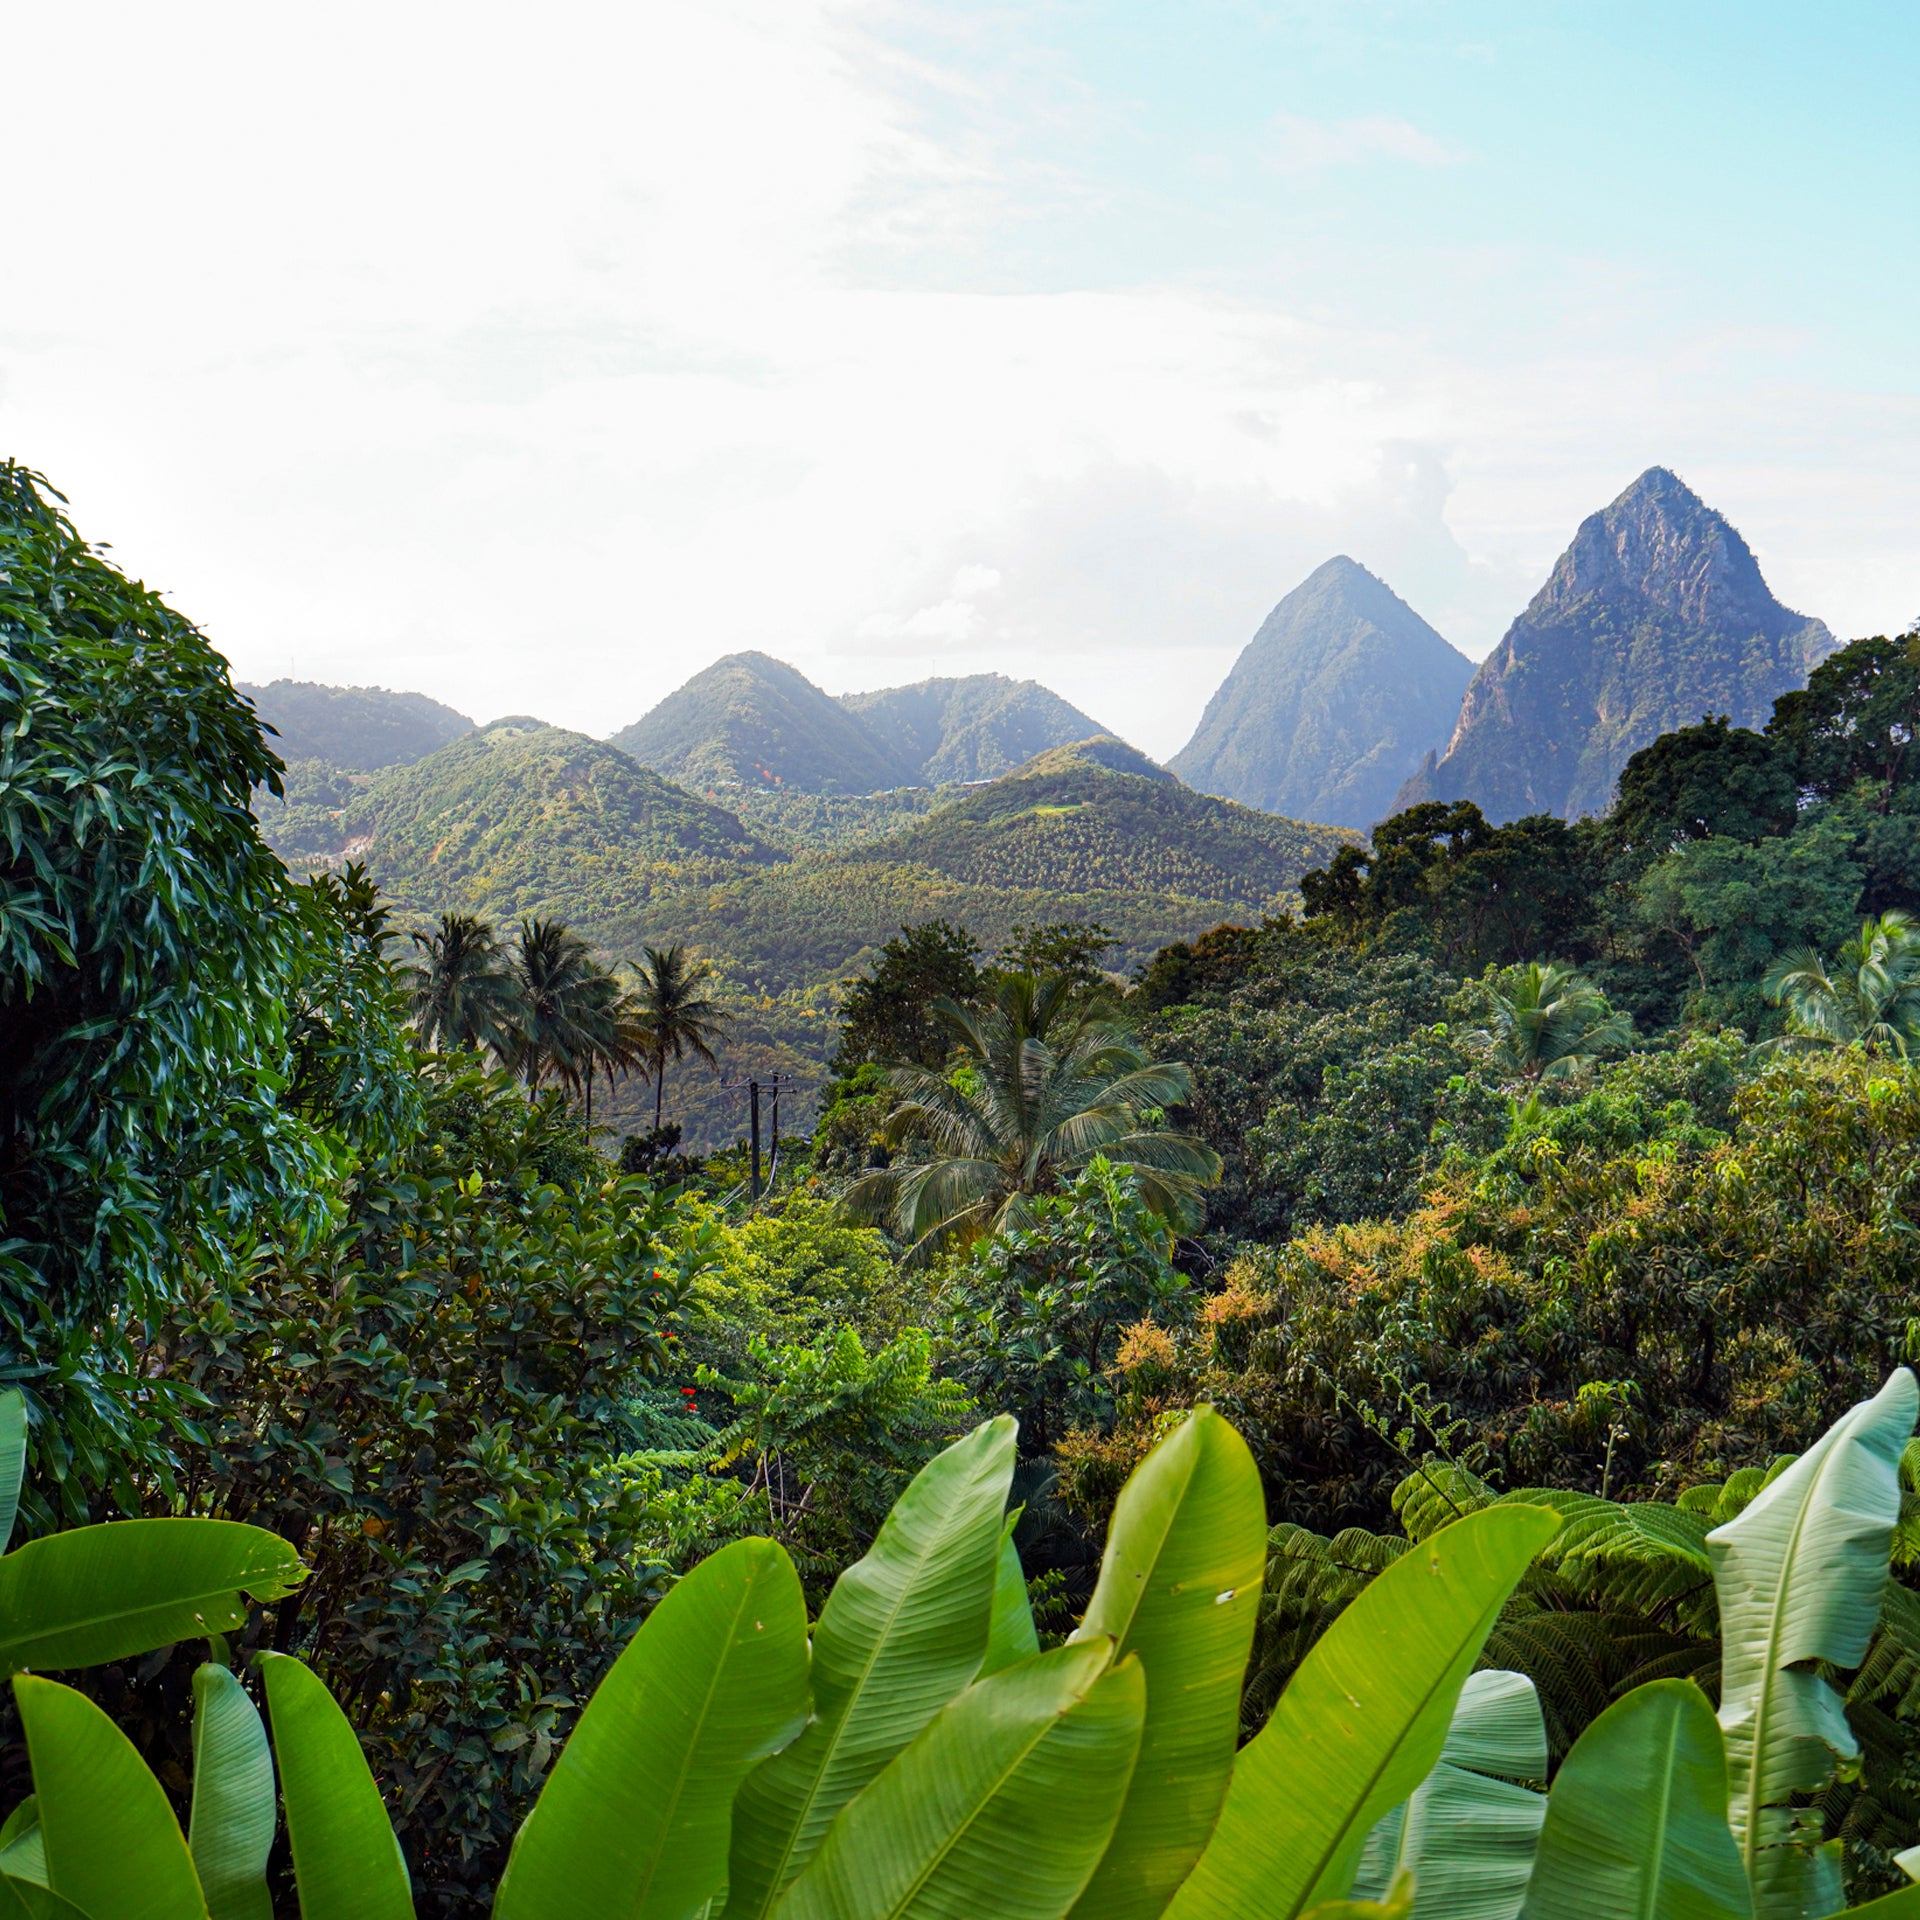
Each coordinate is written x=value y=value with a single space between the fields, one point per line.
x=1296 y=144
x=537 y=368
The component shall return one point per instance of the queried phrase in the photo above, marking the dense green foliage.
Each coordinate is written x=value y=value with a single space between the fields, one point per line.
x=360 y=729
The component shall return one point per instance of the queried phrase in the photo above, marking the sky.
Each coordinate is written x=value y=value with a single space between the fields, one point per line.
x=535 y=358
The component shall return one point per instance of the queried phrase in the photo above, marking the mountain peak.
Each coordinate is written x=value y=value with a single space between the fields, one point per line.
x=1655 y=614
x=1331 y=704
x=976 y=727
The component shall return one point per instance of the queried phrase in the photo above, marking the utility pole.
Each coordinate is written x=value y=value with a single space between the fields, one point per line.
x=753 y=1101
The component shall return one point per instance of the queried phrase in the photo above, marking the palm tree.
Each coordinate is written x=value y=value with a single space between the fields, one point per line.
x=1870 y=999
x=463 y=992
x=1549 y=1022
x=679 y=1018
x=621 y=1043
x=567 y=999
x=1046 y=1082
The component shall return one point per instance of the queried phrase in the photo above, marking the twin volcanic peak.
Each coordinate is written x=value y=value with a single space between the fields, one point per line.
x=1655 y=615
x=752 y=721
x=1331 y=705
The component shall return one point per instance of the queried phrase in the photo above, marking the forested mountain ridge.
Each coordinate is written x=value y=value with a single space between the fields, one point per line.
x=1331 y=705
x=974 y=728
x=357 y=729
x=1654 y=615
x=750 y=720
x=521 y=817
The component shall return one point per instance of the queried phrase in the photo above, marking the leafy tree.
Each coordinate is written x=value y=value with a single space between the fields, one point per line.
x=1546 y=1021
x=147 y=941
x=889 y=1015
x=1855 y=720
x=465 y=990
x=675 y=1013
x=1869 y=1000
x=1698 y=782
x=1072 y=947
x=1046 y=1083
x=1035 y=1316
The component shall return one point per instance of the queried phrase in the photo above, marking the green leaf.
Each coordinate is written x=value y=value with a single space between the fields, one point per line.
x=347 y=1864
x=1395 y=1904
x=1361 y=1723
x=1001 y=1807
x=1011 y=1637
x=633 y=1821
x=23 y=1847
x=27 y=1900
x=1467 y=1835
x=13 y=1459
x=113 y=1845
x=1180 y=1586
x=1637 y=1819
x=234 y=1809
x=101 y=1593
x=1800 y=1573
x=903 y=1631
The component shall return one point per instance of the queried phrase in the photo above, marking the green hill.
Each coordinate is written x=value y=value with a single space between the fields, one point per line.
x=752 y=721
x=526 y=818
x=360 y=729
x=974 y=728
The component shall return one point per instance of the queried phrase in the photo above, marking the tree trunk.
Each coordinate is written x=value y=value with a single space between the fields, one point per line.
x=659 y=1090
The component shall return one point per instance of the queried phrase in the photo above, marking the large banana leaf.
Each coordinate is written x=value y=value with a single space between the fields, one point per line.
x=234 y=1809
x=1361 y=1723
x=1001 y=1807
x=1395 y=1904
x=1180 y=1586
x=347 y=1864
x=13 y=1460
x=1011 y=1636
x=1637 y=1820
x=23 y=1847
x=1800 y=1573
x=633 y=1820
x=1467 y=1835
x=113 y=1846
x=24 y=1900
x=903 y=1631
x=101 y=1593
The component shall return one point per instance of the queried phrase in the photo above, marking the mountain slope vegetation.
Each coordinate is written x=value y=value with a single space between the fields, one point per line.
x=1655 y=615
x=974 y=728
x=522 y=817
x=752 y=721
x=357 y=729
x=1331 y=705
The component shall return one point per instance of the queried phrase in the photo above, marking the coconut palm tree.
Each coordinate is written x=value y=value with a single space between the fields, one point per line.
x=567 y=999
x=1046 y=1081
x=622 y=1042
x=1550 y=1021
x=464 y=992
x=680 y=1018
x=1869 y=1000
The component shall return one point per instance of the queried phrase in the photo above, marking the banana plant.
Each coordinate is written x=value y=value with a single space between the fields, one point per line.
x=94 y=1594
x=1799 y=1575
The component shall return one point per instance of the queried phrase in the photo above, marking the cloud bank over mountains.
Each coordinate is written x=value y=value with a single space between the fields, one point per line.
x=694 y=330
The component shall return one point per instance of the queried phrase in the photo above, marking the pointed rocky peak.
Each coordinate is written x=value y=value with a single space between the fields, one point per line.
x=1331 y=704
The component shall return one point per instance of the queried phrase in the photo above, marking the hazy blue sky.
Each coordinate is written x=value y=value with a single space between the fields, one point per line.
x=535 y=358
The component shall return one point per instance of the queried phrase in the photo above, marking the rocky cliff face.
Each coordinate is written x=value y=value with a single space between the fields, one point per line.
x=1331 y=705
x=1655 y=615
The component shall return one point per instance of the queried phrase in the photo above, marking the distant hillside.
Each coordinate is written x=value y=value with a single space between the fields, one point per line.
x=1655 y=615
x=826 y=822
x=752 y=721
x=1331 y=705
x=360 y=729
x=1102 y=817
x=976 y=728
x=1066 y=837
x=526 y=818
